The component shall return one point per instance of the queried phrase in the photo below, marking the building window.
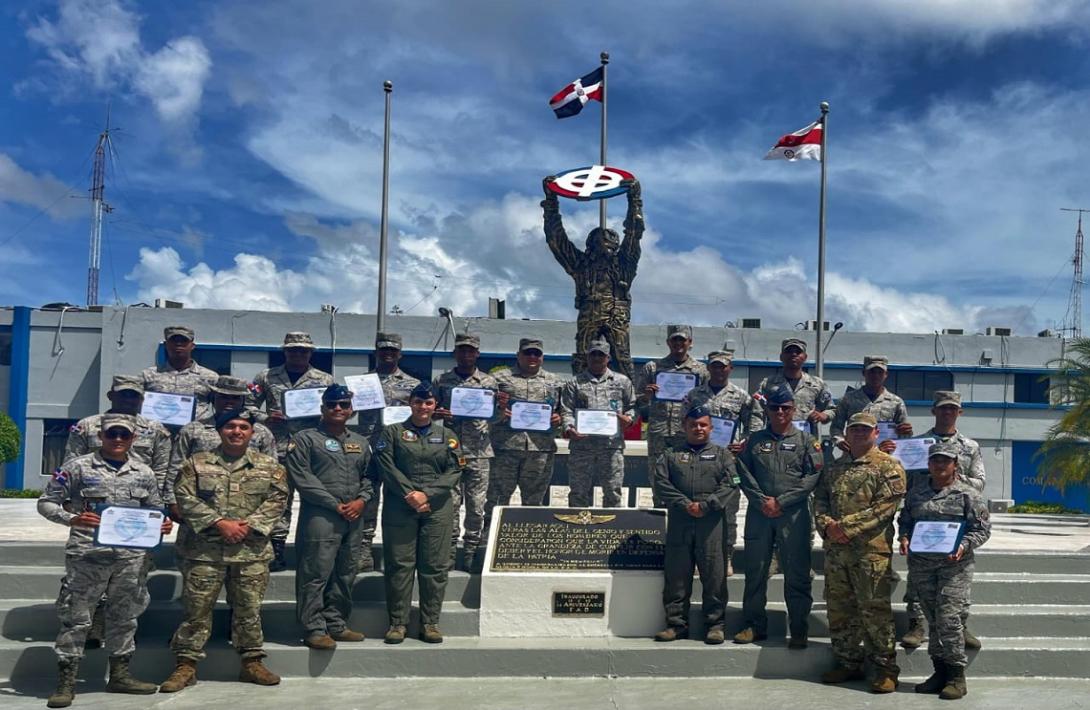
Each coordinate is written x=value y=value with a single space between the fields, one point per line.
x=5 y=349
x=918 y=385
x=495 y=364
x=53 y=443
x=1031 y=389
x=419 y=366
x=758 y=373
x=321 y=360
x=214 y=359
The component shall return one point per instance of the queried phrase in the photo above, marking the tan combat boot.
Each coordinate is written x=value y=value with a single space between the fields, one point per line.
x=122 y=681
x=184 y=675
x=842 y=674
x=672 y=633
x=971 y=641
x=749 y=635
x=66 y=684
x=254 y=671
x=431 y=634
x=955 y=683
x=915 y=635
x=348 y=635
x=395 y=634
x=885 y=681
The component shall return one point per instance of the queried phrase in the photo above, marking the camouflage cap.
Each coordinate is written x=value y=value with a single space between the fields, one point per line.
x=469 y=339
x=945 y=397
x=870 y=361
x=793 y=343
x=531 y=344
x=679 y=331
x=724 y=356
x=598 y=346
x=387 y=340
x=111 y=420
x=184 y=330
x=943 y=448
x=298 y=339
x=230 y=386
x=127 y=383
x=863 y=419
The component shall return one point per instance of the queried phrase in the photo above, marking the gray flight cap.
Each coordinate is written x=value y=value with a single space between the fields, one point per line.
x=945 y=397
x=231 y=386
x=673 y=331
x=127 y=383
x=793 y=342
x=871 y=361
x=724 y=356
x=298 y=339
x=387 y=340
x=943 y=448
x=184 y=330
x=467 y=339
x=598 y=346
x=111 y=420
x=531 y=344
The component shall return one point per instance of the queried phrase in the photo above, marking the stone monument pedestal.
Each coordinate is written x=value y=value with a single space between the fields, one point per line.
x=571 y=572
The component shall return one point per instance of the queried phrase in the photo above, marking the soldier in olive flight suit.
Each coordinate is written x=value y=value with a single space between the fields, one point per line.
x=329 y=467
x=420 y=463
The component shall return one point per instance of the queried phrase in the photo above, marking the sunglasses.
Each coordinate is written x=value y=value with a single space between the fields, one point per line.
x=339 y=404
x=780 y=407
x=532 y=353
x=122 y=434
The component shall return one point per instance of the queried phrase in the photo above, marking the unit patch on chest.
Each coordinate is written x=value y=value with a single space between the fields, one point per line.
x=685 y=457
x=435 y=440
x=707 y=456
x=407 y=435
x=785 y=446
x=765 y=447
x=332 y=445
x=353 y=449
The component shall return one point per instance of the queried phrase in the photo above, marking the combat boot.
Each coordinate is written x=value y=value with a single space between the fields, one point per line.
x=254 y=671
x=121 y=681
x=431 y=634
x=320 y=642
x=395 y=634
x=729 y=559
x=672 y=633
x=715 y=636
x=184 y=675
x=885 y=681
x=278 y=563
x=749 y=635
x=937 y=681
x=914 y=637
x=842 y=674
x=971 y=641
x=955 y=683
x=66 y=684
x=348 y=635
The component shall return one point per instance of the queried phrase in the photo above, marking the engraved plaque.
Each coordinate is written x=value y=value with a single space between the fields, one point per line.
x=579 y=604
x=578 y=539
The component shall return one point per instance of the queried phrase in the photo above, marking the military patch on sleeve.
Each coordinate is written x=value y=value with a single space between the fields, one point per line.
x=380 y=445
x=279 y=474
x=291 y=446
x=461 y=460
x=817 y=445
x=353 y=449
x=452 y=443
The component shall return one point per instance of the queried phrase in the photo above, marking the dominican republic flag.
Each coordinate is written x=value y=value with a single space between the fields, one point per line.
x=570 y=100
x=804 y=144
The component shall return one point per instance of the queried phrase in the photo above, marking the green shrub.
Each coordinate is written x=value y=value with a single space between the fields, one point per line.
x=9 y=439
x=19 y=493
x=1039 y=508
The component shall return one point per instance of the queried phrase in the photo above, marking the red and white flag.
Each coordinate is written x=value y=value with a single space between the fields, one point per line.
x=803 y=144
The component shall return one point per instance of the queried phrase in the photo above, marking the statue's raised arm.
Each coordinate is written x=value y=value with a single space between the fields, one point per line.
x=565 y=252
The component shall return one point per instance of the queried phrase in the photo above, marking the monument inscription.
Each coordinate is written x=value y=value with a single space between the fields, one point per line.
x=579 y=604
x=578 y=540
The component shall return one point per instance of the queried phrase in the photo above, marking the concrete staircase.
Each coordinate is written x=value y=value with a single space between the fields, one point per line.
x=1031 y=610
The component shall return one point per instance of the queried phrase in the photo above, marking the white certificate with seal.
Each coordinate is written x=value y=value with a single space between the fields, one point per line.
x=166 y=408
x=723 y=431
x=472 y=402
x=129 y=527
x=596 y=422
x=887 y=430
x=305 y=402
x=396 y=414
x=366 y=391
x=912 y=453
x=673 y=386
x=531 y=416
x=936 y=536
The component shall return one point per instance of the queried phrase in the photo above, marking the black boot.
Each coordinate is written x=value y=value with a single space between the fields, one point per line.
x=66 y=684
x=278 y=563
x=937 y=681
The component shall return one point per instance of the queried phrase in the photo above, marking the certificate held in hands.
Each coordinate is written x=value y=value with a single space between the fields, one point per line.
x=723 y=431
x=596 y=422
x=673 y=386
x=165 y=408
x=306 y=402
x=531 y=416
x=936 y=536
x=912 y=453
x=472 y=402
x=129 y=527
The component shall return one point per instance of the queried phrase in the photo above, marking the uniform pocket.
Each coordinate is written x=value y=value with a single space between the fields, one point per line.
x=255 y=486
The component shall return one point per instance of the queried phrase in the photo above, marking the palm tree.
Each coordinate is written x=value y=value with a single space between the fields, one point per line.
x=1065 y=453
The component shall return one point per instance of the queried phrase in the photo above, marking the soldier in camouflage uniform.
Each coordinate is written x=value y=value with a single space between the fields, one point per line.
x=874 y=398
x=663 y=416
x=396 y=387
x=854 y=506
x=596 y=459
x=330 y=467
x=180 y=374
x=524 y=459
x=475 y=437
x=946 y=406
x=693 y=480
x=942 y=580
x=75 y=497
x=268 y=390
x=727 y=401
x=603 y=275
x=231 y=498
x=779 y=467
x=813 y=401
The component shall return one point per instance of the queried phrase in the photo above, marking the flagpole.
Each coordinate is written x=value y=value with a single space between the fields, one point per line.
x=821 y=242
x=388 y=87
x=605 y=93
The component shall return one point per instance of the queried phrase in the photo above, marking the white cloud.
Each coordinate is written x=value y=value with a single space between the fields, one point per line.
x=43 y=192
x=174 y=77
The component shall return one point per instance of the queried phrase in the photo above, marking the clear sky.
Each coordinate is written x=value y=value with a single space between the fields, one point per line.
x=248 y=158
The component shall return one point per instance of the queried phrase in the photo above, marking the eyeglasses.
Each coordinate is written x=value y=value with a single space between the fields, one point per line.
x=780 y=407
x=339 y=404
x=532 y=353
x=122 y=434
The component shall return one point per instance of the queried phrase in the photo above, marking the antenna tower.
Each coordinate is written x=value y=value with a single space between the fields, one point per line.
x=1074 y=303
x=98 y=209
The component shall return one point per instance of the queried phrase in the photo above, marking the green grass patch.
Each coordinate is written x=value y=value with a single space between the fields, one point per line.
x=19 y=493
x=1039 y=508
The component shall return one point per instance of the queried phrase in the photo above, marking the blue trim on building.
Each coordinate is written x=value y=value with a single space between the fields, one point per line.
x=979 y=369
x=18 y=390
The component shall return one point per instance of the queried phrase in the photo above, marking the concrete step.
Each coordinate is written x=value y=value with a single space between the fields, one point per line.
x=570 y=658
x=34 y=620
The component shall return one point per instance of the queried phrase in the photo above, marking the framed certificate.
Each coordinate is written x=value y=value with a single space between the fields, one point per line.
x=936 y=536
x=912 y=453
x=366 y=392
x=887 y=430
x=306 y=402
x=472 y=402
x=396 y=414
x=129 y=527
x=165 y=408
x=531 y=416
x=596 y=422
x=673 y=386
x=723 y=431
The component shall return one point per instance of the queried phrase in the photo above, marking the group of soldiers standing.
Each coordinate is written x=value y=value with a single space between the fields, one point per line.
x=228 y=477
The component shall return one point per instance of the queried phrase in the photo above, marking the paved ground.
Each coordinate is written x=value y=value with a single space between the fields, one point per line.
x=524 y=694
x=21 y=522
